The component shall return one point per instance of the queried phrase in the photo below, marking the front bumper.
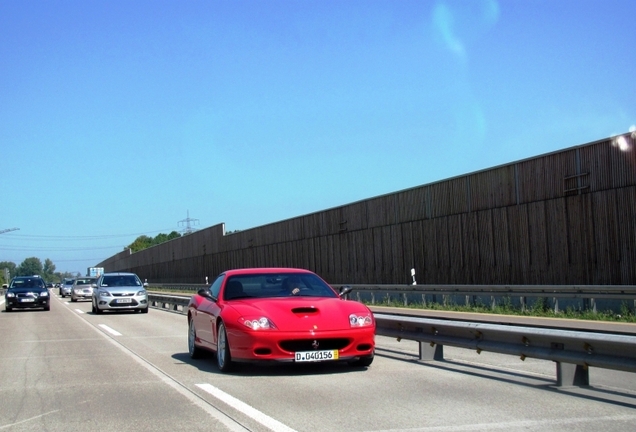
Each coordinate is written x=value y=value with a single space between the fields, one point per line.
x=26 y=303
x=122 y=303
x=282 y=346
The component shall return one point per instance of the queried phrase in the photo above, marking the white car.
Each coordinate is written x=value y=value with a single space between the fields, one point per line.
x=119 y=291
x=82 y=288
x=65 y=287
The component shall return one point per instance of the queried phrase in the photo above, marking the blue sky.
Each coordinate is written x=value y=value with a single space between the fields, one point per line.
x=121 y=118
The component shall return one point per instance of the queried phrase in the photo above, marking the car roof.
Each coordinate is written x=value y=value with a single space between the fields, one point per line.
x=266 y=270
x=119 y=274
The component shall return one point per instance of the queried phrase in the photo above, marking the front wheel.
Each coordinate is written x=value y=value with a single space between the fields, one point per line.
x=223 y=358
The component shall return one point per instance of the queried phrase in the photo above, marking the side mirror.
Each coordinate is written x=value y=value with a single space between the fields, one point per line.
x=206 y=294
x=5 y=286
x=145 y=284
x=345 y=290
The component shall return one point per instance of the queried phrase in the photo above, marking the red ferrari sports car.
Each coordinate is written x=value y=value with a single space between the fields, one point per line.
x=278 y=314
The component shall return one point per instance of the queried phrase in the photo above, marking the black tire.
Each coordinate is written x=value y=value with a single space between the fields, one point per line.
x=363 y=361
x=7 y=308
x=144 y=310
x=97 y=310
x=73 y=300
x=194 y=351
x=93 y=308
x=47 y=307
x=223 y=358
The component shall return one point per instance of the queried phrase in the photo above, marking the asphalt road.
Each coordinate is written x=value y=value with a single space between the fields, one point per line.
x=69 y=369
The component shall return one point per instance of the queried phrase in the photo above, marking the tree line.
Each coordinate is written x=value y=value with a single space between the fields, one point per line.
x=33 y=266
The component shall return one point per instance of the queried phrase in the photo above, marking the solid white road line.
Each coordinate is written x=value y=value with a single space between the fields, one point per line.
x=246 y=409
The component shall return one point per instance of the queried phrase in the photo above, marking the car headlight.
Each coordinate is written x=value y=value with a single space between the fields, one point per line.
x=260 y=323
x=103 y=294
x=141 y=293
x=10 y=294
x=44 y=294
x=360 y=320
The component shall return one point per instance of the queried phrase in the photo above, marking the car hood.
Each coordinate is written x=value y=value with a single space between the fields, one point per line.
x=120 y=289
x=301 y=313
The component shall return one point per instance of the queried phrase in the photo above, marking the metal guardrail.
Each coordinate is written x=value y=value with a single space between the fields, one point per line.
x=423 y=294
x=574 y=352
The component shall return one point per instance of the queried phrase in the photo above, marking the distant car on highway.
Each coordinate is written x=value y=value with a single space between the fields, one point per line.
x=118 y=292
x=278 y=315
x=82 y=288
x=27 y=292
x=65 y=287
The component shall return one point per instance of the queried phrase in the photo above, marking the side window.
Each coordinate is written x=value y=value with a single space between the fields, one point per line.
x=216 y=286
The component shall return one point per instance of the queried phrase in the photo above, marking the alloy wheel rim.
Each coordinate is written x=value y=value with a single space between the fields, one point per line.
x=221 y=348
x=191 y=338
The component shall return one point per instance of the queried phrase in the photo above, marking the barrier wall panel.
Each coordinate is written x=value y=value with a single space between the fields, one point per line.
x=412 y=204
x=492 y=188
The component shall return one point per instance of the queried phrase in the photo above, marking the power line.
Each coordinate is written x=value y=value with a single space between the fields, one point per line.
x=91 y=237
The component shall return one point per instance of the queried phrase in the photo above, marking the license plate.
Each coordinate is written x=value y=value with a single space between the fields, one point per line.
x=309 y=356
x=29 y=300
x=126 y=300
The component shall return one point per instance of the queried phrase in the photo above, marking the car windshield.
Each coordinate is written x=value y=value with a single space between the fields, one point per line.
x=27 y=283
x=84 y=281
x=276 y=285
x=68 y=282
x=120 y=280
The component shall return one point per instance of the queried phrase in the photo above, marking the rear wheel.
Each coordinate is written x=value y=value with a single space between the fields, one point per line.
x=194 y=351
x=223 y=358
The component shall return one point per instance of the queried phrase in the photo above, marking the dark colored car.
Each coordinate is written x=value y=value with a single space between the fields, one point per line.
x=27 y=292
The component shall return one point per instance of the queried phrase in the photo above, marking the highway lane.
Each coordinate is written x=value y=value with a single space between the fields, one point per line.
x=69 y=369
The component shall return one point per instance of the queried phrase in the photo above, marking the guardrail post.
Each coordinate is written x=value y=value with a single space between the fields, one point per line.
x=569 y=375
x=593 y=305
x=493 y=302
x=431 y=351
x=522 y=302
x=406 y=300
x=556 y=305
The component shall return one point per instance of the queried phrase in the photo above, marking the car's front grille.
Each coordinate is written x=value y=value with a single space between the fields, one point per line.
x=127 y=294
x=132 y=303
x=310 y=344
